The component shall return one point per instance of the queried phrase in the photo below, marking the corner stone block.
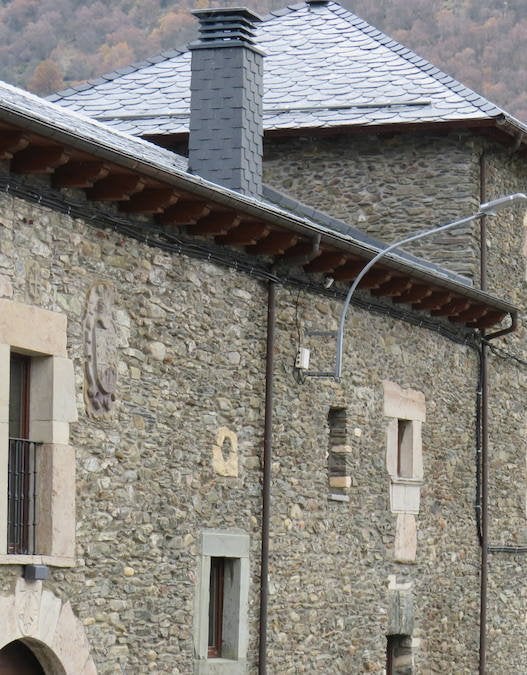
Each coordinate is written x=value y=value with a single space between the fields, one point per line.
x=53 y=390
x=407 y=404
x=405 y=548
x=8 y=622
x=27 y=606
x=50 y=607
x=64 y=407
x=32 y=328
x=340 y=481
x=4 y=382
x=56 y=468
x=400 y=613
x=70 y=643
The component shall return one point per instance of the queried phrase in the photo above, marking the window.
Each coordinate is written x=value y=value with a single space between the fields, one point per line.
x=339 y=455
x=37 y=464
x=404 y=449
x=217 y=574
x=399 y=655
x=220 y=624
x=406 y=411
x=21 y=479
x=19 y=396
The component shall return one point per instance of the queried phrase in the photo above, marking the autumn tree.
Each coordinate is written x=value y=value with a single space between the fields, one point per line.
x=46 y=77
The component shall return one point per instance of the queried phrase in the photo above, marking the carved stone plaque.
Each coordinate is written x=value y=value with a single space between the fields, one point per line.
x=100 y=350
x=225 y=466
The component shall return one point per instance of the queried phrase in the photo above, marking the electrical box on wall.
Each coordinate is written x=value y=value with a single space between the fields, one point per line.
x=302 y=359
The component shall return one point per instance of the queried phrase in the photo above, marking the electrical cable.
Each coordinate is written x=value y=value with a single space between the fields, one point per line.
x=157 y=237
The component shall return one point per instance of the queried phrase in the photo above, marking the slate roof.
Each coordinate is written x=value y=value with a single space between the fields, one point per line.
x=25 y=110
x=324 y=67
x=20 y=110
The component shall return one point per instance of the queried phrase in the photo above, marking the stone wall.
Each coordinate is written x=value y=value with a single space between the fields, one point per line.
x=388 y=186
x=190 y=357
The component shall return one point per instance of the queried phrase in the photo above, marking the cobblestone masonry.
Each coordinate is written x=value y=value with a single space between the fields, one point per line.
x=387 y=186
x=191 y=360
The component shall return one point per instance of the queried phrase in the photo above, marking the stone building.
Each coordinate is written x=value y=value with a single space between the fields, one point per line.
x=183 y=492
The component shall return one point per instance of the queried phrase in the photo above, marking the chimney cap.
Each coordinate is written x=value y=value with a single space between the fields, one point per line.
x=225 y=25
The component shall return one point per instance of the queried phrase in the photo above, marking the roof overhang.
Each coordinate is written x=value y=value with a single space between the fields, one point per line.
x=103 y=166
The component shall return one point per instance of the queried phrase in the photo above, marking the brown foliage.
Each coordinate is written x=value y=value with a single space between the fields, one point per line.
x=482 y=43
x=46 y=77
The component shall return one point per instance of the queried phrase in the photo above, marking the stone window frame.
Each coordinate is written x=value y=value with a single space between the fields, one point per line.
x=404 y=406
x=41 y=335
x=339 y=454
x=223 y=544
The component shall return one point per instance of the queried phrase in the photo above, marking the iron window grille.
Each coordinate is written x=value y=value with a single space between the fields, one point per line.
x=22 y=494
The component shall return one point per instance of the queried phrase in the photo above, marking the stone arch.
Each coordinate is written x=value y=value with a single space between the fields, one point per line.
x=30 y=656
x=48 y=627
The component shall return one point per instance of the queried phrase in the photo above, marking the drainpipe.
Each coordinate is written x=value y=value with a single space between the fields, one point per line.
x=266 y=486
x=484 y=493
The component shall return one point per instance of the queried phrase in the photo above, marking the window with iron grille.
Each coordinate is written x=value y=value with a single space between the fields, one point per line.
x=37 y=463
x=21 y=468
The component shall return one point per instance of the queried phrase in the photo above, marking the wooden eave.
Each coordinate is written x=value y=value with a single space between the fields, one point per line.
x=176 y=200
x=494 y=129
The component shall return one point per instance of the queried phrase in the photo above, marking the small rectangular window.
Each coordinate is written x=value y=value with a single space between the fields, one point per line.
x=217 y=574
x=221 y=626
x=399 y=655
x=404 y=449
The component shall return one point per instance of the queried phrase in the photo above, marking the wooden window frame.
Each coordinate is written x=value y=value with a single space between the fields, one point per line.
x=23 y=403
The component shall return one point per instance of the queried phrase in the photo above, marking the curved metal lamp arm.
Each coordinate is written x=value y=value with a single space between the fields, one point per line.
x=486 y=209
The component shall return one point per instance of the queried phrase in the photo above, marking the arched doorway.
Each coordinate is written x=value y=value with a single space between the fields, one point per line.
x=17 y=659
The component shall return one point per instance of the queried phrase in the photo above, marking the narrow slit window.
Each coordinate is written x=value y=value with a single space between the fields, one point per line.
x=399 y=655
x=216 y=590
x=404 y=448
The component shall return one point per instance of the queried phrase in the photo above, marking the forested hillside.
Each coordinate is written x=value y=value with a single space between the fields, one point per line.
x=48 y=44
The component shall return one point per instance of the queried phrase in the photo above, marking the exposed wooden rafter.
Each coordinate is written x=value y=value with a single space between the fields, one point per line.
x=277 y=243
x=79 y=174
x=12 y=142
x=137 y=192
x=185 y=213
x=215 y=224
x=326 y=262
x=116 y=188
x=245 y=234
x=150 y=200
x=40 y=159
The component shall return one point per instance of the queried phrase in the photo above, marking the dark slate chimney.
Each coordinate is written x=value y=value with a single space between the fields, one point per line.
x=226 y=126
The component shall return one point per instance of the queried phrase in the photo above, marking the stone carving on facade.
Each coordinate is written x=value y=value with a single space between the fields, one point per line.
x=33 y=280
x=27 y=602
x=100 y=349
x=56 y=636
x=225 y=466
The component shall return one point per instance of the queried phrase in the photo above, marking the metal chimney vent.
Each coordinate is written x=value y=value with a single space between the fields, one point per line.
x=230 y=24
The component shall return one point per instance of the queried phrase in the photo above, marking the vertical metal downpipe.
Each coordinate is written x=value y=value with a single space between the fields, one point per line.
x=266 y=483
x=484 y=439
